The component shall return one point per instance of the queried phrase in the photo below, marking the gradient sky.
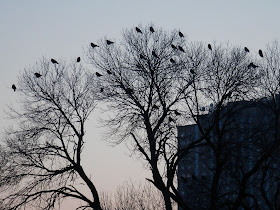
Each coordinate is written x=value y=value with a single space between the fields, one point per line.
x=31 y=29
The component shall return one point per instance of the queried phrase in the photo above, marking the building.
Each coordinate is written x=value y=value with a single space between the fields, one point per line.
x=232 y=141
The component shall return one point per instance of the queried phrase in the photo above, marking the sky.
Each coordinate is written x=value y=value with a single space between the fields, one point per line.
x=61 y=29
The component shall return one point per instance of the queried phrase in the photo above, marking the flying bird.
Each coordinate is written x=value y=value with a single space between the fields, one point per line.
x=109 y=42
x=109 y=72
x=181 y=34
x=246 y=49
x=54 y=61
x=173 y=47
x=152 y=29
x=154 y=54
x=14 y=87
x=37 y=74
x=93 y=45
x=181 y=49
x=138 y=30
x=172 y=60
x=209 y=47
x=261 y=53
x=78 y=59
x=98 y=74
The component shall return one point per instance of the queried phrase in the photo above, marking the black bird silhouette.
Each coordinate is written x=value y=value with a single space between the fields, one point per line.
x=173 y=46
x=152 y=29
x=54 y=61
x=209 y=47
x=172 y=60
x=252 y=65
x=138 y=30
x=78 y=59
x=101 y=90
x=261 y=53
x=109 y=42
x=192 y=71
x=37 y=74
x=246 y=49
x=181 y=34
x=93 y=45
x=98 y=74
x=177 y=113
x=14 y=87
x=109 y=72
x=181 y=49
x=154 y=54
x=142 y=56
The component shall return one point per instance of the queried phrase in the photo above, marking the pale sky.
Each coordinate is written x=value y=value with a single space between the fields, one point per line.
x=30 y=29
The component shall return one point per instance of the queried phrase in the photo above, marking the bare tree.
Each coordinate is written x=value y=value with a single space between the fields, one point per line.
x=44 y=148
x=135 y=196
x=153 y=81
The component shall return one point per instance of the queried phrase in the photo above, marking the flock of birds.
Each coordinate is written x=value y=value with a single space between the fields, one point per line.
x=138 y=30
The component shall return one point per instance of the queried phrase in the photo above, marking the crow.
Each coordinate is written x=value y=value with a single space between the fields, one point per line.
x=152 y=29
x=177 y=113
x=181 y=34
x=181 y=49
x=54 y=61
x=261 y=53
x=209 y=47
x=98 y=74
x=109 y=72
x=109 y=42
x=37 y=75
x=252 y=65
x=173 y=46
x=138 y=30
x=101 y=90
x=172 y=60
x=246 y=49
x=154 y=54
x=78 y=59
x=14 y=87
x=93 y=45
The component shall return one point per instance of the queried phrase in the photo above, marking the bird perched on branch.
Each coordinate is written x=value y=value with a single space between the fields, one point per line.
x=181 y=34
x=54 y=61
x=154 y=54
x=246 y=49
x=98 y=74
x=252 y=65
x=78 y=59
x=181 y=49
x=14 y=87
x=173 y=47
x=138 y=30
x=93 y=45
x=261 y=53
x=152 y=29
x=209 y=47
x=37 y=74
x=109 y=42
